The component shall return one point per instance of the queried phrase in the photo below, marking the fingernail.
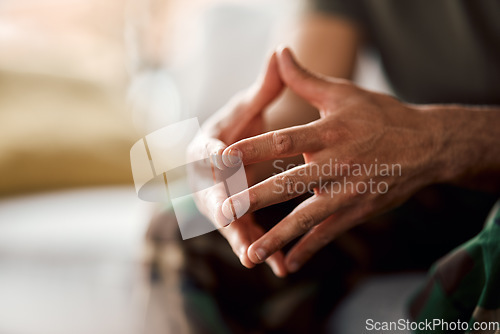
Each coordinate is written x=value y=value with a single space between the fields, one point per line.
x=220 y=219
x=238 y=208
x=261 y=254
x=214 y=160
x=275 y=268
x=288 y=56
x=293 y=267
x=234 y=156
x=227 y=210
x=280 y=48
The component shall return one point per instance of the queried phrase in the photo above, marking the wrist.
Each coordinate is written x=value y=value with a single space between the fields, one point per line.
x=454 y=131
x=435 y=139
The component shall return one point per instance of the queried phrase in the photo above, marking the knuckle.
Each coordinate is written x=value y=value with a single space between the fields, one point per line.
x=314 y=135
x=275 y=244
x=282 y=143
x=329 y=136
x=336 y=131
x=288 y=183
x=332 y=130
x=344 y=167
x=253 y=198
x=304 y=221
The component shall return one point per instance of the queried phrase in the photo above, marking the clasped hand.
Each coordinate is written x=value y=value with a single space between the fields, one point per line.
x=366 y=154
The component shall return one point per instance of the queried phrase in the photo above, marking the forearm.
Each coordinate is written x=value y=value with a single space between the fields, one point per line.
x=328 y=46
x=469 y=145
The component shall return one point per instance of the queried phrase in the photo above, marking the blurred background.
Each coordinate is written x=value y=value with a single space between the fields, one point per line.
x=80 y=82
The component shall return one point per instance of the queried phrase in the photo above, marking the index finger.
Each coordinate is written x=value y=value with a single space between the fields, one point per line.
x=306 y=215
x=275 y=144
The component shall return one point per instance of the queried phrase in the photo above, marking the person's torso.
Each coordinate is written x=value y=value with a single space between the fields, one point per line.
x=445 y=51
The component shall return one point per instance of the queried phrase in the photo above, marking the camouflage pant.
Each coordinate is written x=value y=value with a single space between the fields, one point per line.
x=465 y=284
x=210 y=292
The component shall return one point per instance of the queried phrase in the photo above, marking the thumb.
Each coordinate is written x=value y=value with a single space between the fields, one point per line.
x=267 y=87
x=239 y=113
x=308 y=85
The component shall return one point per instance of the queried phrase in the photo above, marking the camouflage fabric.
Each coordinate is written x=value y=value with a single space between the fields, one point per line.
x=216 y=294
x=207 y=290
x=465 y=285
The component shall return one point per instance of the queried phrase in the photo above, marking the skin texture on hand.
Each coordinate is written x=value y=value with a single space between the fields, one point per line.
x=356 y=127
x=328 y=45
x=428 y=144
x=242 y=117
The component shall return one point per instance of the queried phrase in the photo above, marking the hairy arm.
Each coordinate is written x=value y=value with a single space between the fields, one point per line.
x=469 y=144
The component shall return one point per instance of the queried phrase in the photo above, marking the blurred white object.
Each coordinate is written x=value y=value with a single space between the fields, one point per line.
x=70 y=262
x=154 y=100
x=152 y=95
x=229 y=49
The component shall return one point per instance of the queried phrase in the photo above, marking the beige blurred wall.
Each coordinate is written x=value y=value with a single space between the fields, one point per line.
x=63 y=120
x=64 y=70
